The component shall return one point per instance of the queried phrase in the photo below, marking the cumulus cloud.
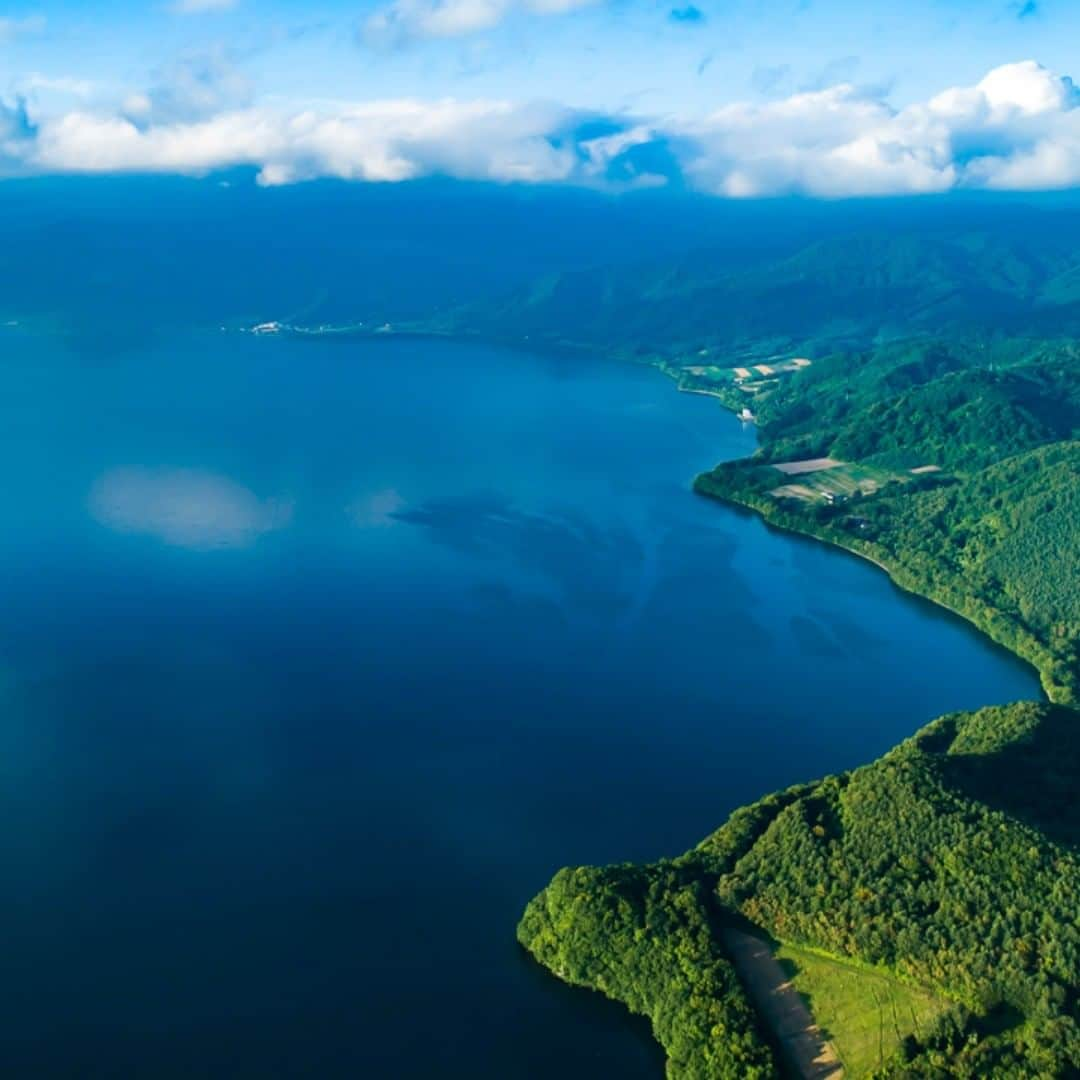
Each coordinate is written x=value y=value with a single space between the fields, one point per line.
x=1019 y=127
x=185 y=508
x=402 y=21
x=381 y=141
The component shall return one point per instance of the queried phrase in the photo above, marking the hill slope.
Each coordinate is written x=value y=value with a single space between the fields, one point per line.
x=846 y=289
x=931 y=423
x=966 y=482
x=949 y=867
x=950 y=863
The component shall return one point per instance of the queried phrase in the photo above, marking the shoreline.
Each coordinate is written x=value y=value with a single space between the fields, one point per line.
x=991 y=623
x=890 y=572
x=1051 y=691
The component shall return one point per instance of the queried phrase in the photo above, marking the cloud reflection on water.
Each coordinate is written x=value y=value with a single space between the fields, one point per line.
x=186 y=508
x=378 y=510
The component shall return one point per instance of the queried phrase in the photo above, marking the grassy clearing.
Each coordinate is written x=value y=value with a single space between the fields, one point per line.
x=865 y=1014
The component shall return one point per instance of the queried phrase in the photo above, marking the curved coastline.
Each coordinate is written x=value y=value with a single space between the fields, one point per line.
x=759 y=1049
x=896 y=576
x=1032 y=653
x=997 y=625
x=678 y=885
x=899 y=577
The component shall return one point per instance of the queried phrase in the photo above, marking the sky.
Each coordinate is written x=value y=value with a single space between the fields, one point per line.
x=737 y=98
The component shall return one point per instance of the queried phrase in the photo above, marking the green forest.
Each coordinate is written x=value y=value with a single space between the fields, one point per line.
x=993 y=532
x=975 y=277
x=644 y=936
x=951 y=864
x=948 y=871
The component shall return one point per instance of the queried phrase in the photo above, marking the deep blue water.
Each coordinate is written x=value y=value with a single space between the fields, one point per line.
x=319 y=659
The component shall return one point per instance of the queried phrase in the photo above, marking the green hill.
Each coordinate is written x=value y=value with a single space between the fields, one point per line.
x=925 y=905
x=645 y=936
x=851 y=288
x=950 y=866
x=965 y=420
x=991 y=532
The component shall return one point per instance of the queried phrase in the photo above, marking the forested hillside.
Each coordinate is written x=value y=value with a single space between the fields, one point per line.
x=950 y=864
x=937 y=400
x=966 y=481
x=851 y=288
x=946 y=872
x=645 y=936
x=964 y=420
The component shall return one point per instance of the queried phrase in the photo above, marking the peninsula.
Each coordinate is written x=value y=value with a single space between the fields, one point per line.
x=921 y=910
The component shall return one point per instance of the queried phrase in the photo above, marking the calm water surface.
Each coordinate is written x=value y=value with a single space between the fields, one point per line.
x=319 y=659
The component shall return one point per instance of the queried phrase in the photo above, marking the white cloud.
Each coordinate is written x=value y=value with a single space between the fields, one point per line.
x=185 y=508
x=402 y=21
x=604 y=151
x=1017 y=128
x=1027 y=88
x=381 y=141
x=825 y=142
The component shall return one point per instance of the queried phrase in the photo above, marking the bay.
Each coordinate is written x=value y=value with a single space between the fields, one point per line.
x=318 y=659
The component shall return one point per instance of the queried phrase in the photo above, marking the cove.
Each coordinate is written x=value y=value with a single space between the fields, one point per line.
x=318 y=660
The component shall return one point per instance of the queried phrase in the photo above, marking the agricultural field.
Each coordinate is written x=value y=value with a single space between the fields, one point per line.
x=710 y=371
x=749 y=375
x=826 y=480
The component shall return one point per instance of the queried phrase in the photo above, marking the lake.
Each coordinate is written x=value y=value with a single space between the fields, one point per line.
x=318 y=659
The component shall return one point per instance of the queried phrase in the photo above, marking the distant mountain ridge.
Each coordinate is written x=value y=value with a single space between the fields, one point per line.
x=851 y=289
x=935 y=431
